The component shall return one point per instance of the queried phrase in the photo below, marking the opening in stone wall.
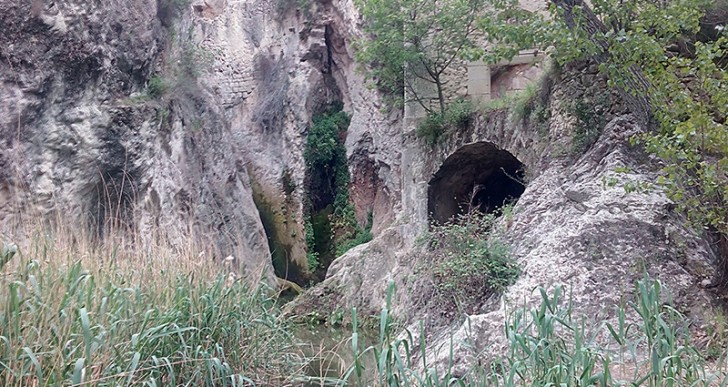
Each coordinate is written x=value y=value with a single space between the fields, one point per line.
x=477 y=176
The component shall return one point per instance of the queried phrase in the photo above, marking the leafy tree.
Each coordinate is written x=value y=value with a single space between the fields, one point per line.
x=419 y=38
x=672 y=73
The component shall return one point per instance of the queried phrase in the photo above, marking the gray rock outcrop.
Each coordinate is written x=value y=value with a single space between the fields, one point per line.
x=589 y=220
x=85 y=140
x=163 y=117
x=189 y=122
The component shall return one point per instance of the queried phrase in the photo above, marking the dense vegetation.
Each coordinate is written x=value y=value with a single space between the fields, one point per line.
x=469 y=262
x=74 y=314
x=331 y=226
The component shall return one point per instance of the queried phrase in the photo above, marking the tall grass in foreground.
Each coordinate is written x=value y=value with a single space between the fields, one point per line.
x=76 y=314
x=549 y=346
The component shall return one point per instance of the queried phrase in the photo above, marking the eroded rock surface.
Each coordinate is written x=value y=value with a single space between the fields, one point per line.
x=150 y=117
x=276 y=66
x=84 y=138
x=163 y=117
x=578 y=224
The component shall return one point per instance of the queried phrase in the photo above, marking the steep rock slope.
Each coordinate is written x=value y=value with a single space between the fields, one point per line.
x=154 y=116
x=85 y=141
x=185 y=120
x=275 y=66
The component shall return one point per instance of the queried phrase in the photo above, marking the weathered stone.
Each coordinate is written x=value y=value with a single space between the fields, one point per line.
x=83 y=135
x=568 y=228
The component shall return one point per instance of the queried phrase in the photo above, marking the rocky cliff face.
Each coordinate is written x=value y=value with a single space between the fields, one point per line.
x=185 y=119
x=188 y=122
x=578 y=222
x=276 y=65
x=86 y=138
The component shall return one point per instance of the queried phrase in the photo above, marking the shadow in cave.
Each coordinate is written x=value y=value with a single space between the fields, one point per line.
x=322 y=194
x=477 y=176
x=283 y=264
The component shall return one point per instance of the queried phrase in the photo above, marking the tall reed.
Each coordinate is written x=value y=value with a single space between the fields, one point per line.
x=76 y=312
x=548 y=345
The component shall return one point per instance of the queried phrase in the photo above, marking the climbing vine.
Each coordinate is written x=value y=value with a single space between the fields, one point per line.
x=331 y=227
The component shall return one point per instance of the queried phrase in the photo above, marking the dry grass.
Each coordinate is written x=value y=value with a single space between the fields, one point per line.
x=81 y=312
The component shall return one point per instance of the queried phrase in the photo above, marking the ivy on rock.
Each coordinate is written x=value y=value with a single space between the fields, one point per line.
x=331 y=227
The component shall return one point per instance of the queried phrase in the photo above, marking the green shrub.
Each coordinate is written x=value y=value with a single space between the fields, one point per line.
x=157 y=86
x=431 y=128
x=312 y=256
x=328 y=173
x=523 y=102
x=323 y=145
x=458 y=115
x=469 y=262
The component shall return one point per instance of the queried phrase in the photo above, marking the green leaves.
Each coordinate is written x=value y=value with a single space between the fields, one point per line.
x=323 y=145
x=469 y=262
x=650 y=50
x=331 y=226
x=411 y=43
x=74 y=323
x=6 y=254
x=458 y=115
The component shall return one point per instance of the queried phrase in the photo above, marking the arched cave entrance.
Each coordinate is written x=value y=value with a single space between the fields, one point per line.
x=477 y=176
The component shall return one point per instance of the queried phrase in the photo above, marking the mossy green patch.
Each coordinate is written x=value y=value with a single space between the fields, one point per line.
x=274 y=224
x=331 y=226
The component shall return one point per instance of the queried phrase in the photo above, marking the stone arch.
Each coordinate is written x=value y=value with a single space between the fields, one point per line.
x=476 y=176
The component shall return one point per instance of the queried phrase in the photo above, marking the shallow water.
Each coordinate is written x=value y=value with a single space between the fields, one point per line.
x=331 y=354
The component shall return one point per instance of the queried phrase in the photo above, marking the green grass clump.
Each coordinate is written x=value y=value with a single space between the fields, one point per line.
x=75 y=315
x=469 y=262
x=457 y=115
x=431 y=128
x=157 y=86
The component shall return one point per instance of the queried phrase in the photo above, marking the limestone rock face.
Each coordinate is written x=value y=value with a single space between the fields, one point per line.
x=275 y=67
x=83 y=140
x=162 y=117
x=578 y=223
x=570 y=228
x=190 y=122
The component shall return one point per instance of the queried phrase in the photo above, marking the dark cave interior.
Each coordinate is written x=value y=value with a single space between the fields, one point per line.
x=478 y=176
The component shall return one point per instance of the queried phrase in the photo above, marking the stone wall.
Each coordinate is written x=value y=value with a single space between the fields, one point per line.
x=477 y=81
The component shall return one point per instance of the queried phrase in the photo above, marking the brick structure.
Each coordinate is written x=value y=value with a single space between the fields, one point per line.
x=478 y=81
